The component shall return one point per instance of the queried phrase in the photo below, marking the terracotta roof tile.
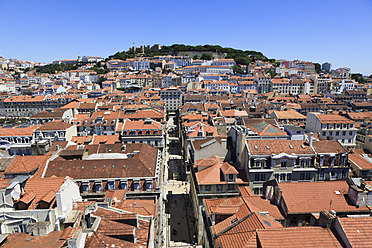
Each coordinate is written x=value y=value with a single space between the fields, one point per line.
x=358 y=230
x=313 y=197
x=27 y=164
x=360 y=161
x=328 y=146
x=264 y=147
x=54 y=126
x=297 y=237
x=332 y=118
x=51 y=240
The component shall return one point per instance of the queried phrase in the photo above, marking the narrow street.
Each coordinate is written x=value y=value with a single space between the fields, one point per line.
x=179 y=222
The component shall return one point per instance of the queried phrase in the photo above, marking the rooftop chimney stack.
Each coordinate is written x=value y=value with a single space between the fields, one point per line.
x=311 y=139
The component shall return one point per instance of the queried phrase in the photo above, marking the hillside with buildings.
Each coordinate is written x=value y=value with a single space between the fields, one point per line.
x=184 y=146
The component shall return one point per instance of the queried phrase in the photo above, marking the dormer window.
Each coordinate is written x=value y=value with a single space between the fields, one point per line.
x=136 y=185
x=85 y=187
x=332 y=161
x=321 y=160
x=148 y=185
x=123 y=185
x=98 y=186
x=231 y=178
x=283 y=163
x=111 y=185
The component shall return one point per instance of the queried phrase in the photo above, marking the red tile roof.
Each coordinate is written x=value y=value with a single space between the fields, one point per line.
x=332 y=118
x=41 y=189
x=297 y=237
x=358 y=230
x=328 y=146
x=265 y=147
x=51 y=240
x=360 y=161
x=313 y=197
x=26 y=164
x=55 y=126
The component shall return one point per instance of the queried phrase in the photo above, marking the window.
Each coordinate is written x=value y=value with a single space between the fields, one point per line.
x=263 y=177
x=289 y=177
x=85 y=187
x=260 y=177
x=148 y=184
x=307 y=176
x=123 y=185
x=349 y=140
x=337 y=133
x=333 y=175
x=330 y=126
x=338 y=125
x=111 y=185
x=330 y=133
x=332 y=161
x=258 y=164
x=321 y=162
x=302 y=163
x=351 y=125
x=283 y=163
x=343 y=133
x=136 y=185
x=344 y=174
x=98 y=186
x=231 y=178
x=344 y=125
x=277 y=177
x=207 y=187
x=324 y=126
x=324 y=133
x=282 y=177
x=350 y=132
x=256 y=191
x=321 y=175
x=231 y=187
x=302 y=176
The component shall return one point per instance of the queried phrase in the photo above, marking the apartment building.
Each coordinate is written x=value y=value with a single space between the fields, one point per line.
x=263 y=83
x=332 y=126
x=172 y=97
x=283 y=160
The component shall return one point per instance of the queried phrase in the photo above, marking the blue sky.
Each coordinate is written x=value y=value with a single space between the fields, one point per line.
x=339 y=32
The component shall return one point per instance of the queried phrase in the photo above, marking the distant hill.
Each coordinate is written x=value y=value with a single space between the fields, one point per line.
x=205 y=51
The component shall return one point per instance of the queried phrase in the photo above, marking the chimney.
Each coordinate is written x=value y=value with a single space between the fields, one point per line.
x=311 y=139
